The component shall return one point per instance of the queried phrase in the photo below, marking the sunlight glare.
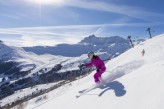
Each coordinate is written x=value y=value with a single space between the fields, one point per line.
x=46 y=2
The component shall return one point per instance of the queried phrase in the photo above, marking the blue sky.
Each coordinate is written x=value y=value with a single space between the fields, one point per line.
x=50 y=22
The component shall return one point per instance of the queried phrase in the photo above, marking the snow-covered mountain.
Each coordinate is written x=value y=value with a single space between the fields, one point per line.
x=20 y=69
x=111 y=46
x=132 y=81
x=6 y=52
x=92 y=39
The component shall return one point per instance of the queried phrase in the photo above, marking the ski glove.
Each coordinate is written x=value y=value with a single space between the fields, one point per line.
x=83 y=65
x=98 y=69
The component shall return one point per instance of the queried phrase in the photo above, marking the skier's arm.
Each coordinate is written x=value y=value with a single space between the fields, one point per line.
x=89 y=64
x=86 y=65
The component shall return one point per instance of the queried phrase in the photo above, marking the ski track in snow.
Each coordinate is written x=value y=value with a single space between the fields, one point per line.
x=120 y=71
x=60 y=91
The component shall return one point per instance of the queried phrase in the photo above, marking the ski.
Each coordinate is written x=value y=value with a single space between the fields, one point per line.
x=82 y=92
x=85 y=91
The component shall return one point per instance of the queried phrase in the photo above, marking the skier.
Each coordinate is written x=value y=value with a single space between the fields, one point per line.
x=143 y=52
x=99 y=64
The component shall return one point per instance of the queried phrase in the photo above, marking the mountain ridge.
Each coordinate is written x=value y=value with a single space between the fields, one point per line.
x=110 y=45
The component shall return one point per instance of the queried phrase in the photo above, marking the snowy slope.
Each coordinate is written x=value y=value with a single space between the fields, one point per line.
x=31 y=61
x=28 y=60
x=5 y=51
x=132 y=82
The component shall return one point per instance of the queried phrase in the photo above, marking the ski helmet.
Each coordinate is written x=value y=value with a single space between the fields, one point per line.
x=90 y=54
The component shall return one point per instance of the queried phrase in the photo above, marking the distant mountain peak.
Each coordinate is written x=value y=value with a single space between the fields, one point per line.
x=92 y=36
x=92 y=39
x=1 y=41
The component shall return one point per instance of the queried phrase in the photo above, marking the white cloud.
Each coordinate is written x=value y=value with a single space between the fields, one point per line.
x=47 y=36
x=52 y=35
x=29 y=40
x=113 y=8
x=97 y=5
x=104 y=6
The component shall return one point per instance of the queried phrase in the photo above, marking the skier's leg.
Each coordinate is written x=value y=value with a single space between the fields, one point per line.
x=100 y=73
x=96 y=75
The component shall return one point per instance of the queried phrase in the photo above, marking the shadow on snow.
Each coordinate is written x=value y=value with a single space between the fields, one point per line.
x=116 y=86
